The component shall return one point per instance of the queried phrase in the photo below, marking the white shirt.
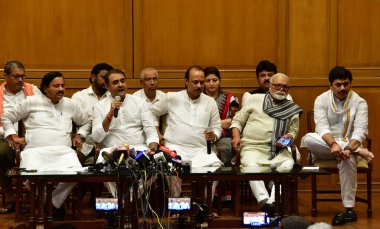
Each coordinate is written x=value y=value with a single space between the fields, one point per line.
x=328 y=121
x=134 y=124
x=46 y=124
x=10 y=100
x=187 y=120
x=87 y=99
x=159 y=95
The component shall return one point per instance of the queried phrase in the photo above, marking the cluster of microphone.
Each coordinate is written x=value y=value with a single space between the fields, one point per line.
x=161 y=160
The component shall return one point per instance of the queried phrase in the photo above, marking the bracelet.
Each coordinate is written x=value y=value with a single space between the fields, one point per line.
x=109 y=116
x=332 y=142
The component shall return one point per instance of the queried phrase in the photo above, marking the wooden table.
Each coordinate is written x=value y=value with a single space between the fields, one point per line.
x=38 y=181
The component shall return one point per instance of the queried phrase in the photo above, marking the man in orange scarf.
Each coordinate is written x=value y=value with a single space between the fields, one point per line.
x=12 y=91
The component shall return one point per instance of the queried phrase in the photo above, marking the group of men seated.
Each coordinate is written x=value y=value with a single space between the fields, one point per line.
x=105 y=113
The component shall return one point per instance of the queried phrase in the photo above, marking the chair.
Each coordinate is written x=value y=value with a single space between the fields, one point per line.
x=363 y=167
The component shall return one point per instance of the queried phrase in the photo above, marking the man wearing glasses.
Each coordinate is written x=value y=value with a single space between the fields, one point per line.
x=257 y=128
x=12 y=91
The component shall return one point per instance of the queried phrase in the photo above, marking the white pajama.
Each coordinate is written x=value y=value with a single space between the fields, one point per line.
x=347 y=168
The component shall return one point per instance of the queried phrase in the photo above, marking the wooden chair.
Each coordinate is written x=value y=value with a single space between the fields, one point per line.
x=363 y=167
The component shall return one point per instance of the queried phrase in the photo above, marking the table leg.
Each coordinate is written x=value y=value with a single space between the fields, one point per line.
x=40 y=202
x=278 y=200
x=237 y=199
x=32 y=199
x=122 y=205
x=49 y=204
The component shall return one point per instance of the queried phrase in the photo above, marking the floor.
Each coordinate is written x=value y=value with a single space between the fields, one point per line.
x=325 y=213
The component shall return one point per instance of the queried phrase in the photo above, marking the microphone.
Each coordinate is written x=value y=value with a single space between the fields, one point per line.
x=116 y=111
x=273 y=168
x=208 y=141
x=107 y=157
x=120 y=159
x=164 y=149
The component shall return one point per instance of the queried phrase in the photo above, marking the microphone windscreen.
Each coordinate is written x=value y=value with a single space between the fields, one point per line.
x=116 y=111
x=107 y=157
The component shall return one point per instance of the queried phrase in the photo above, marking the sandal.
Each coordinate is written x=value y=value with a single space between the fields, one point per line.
x=10 y=208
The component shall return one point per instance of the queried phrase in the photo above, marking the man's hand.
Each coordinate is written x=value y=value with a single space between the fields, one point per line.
x=209 y=135
x=161 y=138
x=77 y=141
x=366 y=154
x=15 y=142
x=115 y=105
x=236 y=143
x=338 y=152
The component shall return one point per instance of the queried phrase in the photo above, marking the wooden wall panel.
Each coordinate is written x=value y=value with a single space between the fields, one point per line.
x=70 y=34
x=308 y=38
x=304 y=38
x=359 y=34
x=172 y=35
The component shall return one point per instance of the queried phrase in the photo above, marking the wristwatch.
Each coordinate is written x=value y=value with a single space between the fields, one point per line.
x=347 y=147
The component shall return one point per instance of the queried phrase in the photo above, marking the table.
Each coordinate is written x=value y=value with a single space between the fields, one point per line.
x=39 y=180
x=285 y=204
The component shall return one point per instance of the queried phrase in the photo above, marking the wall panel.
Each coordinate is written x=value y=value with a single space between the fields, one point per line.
x=359 y=34
x=304 y=38
x=62 y=35
x=174 y=34
x=308 y=38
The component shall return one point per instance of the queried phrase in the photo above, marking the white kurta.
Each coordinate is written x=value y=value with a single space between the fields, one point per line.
x=87 y=99
x=257 y=130
x=134 y=124
x=10 y=100
x=187 y=120
x=344 y=126
x=141 y=94
x=48 y=126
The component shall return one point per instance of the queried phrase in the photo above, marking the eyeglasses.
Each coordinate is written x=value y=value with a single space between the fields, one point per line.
x=17 y=77
x=279 y=86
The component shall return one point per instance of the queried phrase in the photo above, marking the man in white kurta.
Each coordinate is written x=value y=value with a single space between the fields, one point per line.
x=341 y=125
x=258 y=130
x=48 y=123
x=88 y=98
x=13 y=90
x=192 y=119
x=133 y=125
x=149 y=82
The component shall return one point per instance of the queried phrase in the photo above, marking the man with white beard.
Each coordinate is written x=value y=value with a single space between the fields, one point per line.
x=263 y=119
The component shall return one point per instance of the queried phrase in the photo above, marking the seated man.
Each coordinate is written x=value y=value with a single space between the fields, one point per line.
x=261 y=121
x=88 y=98
x=127 y=121
x=192 y=120
x=48 y=123
x=12 y=91
x=341 y=125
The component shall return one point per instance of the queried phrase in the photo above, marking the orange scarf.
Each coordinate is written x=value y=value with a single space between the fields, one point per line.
x=28 y=91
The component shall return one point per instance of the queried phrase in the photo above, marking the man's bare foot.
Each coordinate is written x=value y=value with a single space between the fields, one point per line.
x=366 y=154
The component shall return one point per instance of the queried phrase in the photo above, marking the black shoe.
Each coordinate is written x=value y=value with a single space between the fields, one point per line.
x=350 y=216
x=269 y=208
x=342 y=218
x=10 y=208
x=59 y=213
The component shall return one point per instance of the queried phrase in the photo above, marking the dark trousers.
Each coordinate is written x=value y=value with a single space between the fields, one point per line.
x=7 y=161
